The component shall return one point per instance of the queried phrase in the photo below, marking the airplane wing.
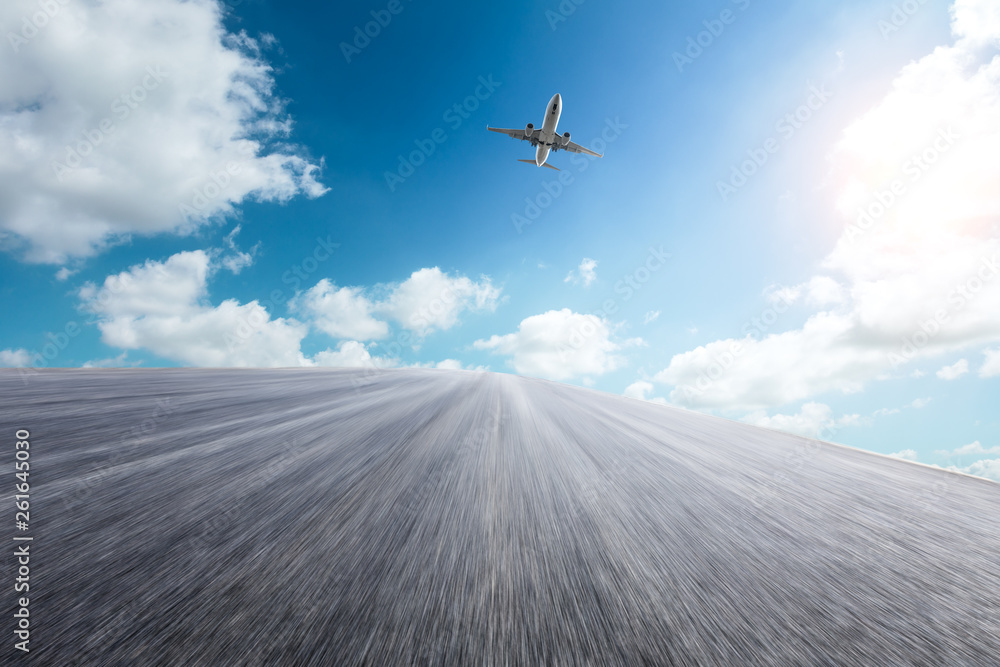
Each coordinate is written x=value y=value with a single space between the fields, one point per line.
x=573 y=147
x=514 y=134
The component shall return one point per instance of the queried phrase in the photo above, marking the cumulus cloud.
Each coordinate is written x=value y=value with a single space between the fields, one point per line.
x=906 y=455
x=18 y=358
x=752 y=373
x=430 y=299
x=813 y=420
x=915 y=404
x=341 y=313
x=984 y=467
x=988 y=468
x=121 y=361
x=819 y=291
x=352 y=354
x=823 y=291
x=448 y=364
x=916 y=271
x=236 y=260
x=163 y=307
x=990 y=367
x=640 y=389
x=972 y=449
x=585 y=273
x=955 y=371
x=782 y=294
x=560 y=345
x=121 y=118
x=976 y=21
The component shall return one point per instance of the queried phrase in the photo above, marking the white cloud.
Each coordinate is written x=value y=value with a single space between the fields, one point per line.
x=778 y=369
x=988 y=468
x=431 y=299
x=426 y=301
x=840 y=68
x=955 y=371
x=906 y=455
x=18 y=358
x=976 y=448
x=651 y=316
x=352 y=354
x=973 y=448
x=153 y=288
x=640 y=389
x=341 y=313
x=824 y=291
x=819 y=291
x=585 y=273
x=120 y=361
x=560 y=345
x=923 y=279
x=813 y=420
x=117 y=115
x=64 y=273
x=977 y=21
x=990 y=367
x=237 y=260
x=448 y=364
x=915 y=404
x=163 y=307
x=782 y=294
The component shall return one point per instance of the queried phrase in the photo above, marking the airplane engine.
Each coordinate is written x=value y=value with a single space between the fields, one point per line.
x=529 y=130
x=565 y=139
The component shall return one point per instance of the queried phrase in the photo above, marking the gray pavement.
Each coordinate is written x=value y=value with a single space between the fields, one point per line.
x=429 y=517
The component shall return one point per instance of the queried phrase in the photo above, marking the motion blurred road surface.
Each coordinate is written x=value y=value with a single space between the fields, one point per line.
x=429 y=517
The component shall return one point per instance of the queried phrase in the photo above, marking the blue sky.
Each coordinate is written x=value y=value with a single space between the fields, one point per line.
x=196 y=184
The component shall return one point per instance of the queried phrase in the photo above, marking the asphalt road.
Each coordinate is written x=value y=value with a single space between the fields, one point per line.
x=428 y=517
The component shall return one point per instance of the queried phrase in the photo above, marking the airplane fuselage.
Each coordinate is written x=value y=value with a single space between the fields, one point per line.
x=547 y=134
x=545 y=139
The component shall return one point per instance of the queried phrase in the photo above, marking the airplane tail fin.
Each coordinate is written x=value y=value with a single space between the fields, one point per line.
x=544 y=164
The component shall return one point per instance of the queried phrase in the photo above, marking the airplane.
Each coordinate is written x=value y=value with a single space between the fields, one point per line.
x=546 y=138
